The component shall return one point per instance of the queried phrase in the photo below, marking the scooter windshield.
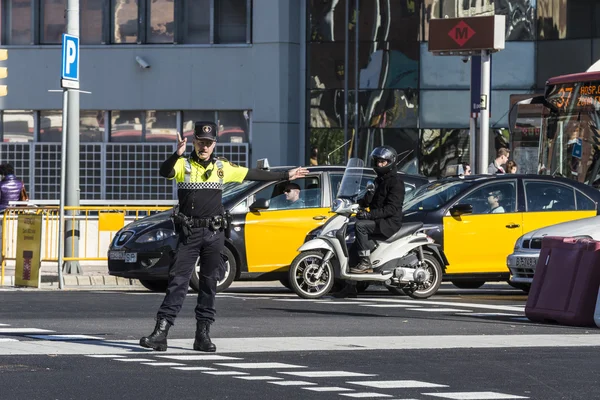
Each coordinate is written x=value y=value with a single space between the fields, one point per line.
x=351 y=181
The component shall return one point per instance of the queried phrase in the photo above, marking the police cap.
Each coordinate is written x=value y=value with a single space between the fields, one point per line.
x=205 y=130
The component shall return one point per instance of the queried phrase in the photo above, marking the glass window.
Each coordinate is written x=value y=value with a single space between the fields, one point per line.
x=559 y=19
x=443 y=72
x=520 y=18
x=305 y=193
x=327 y=20
x=230 y=21
x=160 y=26
x=387 y=65
x=53 y=21
x=495 y=198
x=196 y=22
x=234 y=126
x=91 y=126
x=330 y=143
x=326 y=108
x=17 y=126
x=327 y=66
x=445 y=108
x=388 y=108
x=161 y=126
x=91 y=13
x=126 y=126
x=584 y=202
x=548 y=196
x=435 y=195
x=190 y=117
x=51 y=126
x=514 y=67
x=440 y=148
x=125 y=21
x=575 y=56
x=18 y=22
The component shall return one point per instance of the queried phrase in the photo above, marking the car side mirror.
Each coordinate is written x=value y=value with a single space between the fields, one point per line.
x=460 y=209
x=259 y=204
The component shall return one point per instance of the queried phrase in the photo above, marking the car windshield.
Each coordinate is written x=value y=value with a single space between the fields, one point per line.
x=231 y=189
x=435 y=195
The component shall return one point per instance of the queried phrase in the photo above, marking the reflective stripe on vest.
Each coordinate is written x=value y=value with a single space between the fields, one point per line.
x=188 y=170
x=220 y=167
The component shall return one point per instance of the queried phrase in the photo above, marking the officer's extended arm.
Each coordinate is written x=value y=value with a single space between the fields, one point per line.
x=255 y=174
x=167 y=168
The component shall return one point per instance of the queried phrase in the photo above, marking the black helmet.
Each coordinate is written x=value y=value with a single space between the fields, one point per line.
x=383 y=152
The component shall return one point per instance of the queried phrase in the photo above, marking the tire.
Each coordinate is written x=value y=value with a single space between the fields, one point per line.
x=302 y=275
x=432 y=283
x=228 y=278
x=286 y=282
x=155 y=286
x=468 y=284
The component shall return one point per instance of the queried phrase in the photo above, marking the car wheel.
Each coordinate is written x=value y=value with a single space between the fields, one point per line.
x=228 y=277
x=468 y=284
x=155 y=286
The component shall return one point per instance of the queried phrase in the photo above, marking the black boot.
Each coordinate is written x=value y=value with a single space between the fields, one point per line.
x=158 y=338
x=202 y=342
x=363 y=267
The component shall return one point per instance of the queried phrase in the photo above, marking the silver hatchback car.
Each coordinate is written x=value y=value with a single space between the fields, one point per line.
x=523 y=260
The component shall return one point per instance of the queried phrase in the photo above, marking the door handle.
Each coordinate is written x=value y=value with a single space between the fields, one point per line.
x=320 y=217
x=513 y=226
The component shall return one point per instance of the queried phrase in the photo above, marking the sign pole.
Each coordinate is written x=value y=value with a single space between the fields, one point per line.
x=61 y=211
x=484 y=137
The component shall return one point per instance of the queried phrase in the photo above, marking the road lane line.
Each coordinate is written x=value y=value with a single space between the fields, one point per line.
x=262 y=365
x=403 y=384
x=326 y=374
x=475 y=396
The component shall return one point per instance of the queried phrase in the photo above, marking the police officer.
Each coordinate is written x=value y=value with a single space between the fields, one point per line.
x=200 y=178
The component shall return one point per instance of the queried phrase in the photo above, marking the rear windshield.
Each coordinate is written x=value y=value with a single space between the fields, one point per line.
x=435 y=195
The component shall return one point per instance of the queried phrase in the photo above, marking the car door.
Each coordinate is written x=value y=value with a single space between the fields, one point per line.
x=480 y=242
x=273 y=236
x=548 y=203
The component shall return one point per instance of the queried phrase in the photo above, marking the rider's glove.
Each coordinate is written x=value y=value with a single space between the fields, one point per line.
x=363 y=215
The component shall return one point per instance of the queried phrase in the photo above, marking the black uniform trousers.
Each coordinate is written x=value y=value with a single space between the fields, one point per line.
x=363 y=228
x=208 y=245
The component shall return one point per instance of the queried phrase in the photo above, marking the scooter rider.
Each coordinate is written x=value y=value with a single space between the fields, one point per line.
x=384 y=217
x=199 y=221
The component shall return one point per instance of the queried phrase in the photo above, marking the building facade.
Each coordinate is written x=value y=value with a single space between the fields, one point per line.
x=279 y=77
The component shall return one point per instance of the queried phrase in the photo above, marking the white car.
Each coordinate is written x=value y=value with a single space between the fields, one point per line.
x=524 y=258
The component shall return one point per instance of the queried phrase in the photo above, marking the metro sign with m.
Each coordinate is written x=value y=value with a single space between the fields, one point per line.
x=461 y=33
x=70 y=57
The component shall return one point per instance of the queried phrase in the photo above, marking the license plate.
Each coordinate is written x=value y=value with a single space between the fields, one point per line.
x=526 y=262
x=130 y=257
x=116 y=255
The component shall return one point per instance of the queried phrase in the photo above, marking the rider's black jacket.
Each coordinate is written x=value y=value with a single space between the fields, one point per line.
x=385 y=203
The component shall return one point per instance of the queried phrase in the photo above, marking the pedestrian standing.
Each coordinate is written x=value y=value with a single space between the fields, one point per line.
x=199 y=219
x=11 y=187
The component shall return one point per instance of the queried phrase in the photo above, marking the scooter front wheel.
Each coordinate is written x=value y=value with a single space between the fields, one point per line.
x=308 y=278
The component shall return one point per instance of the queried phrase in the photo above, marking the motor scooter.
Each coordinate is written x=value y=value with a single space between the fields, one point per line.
x=408 y=261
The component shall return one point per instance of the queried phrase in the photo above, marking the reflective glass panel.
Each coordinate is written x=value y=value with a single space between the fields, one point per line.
x=330 y=144
x=91 y=21
x=230 y=21
x=444 y=108
x=53 y=21
x=51 y=126
x=196 y=22
x=125 y=21
x=440 y=148
x=388 y=108
x=126 y=126
x=161 y=21
x=19 y=22
x=234 y=126
x=561 y=19
x=326 y=20
x=574 y=55
x=161 y=126
x=17 y=126
x=91 y=126
x=381 y=21
x=326 y=108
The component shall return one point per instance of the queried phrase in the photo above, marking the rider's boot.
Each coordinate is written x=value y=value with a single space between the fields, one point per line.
x=363 y=267
x=157 y=340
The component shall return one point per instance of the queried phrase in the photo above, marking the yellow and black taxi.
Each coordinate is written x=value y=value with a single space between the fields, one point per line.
x=270 y=222
x=477 y=219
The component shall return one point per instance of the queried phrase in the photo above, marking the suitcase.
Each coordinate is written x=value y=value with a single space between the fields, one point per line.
x=565 y=285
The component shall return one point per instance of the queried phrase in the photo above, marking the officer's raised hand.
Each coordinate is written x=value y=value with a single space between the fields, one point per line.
x=181 y=144
x=296 y=173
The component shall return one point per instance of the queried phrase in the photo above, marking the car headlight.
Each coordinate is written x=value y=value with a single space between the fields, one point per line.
x=155 y=236
x=518 y=243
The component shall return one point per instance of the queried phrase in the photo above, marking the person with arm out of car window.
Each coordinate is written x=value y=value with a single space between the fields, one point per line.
x=199 y=221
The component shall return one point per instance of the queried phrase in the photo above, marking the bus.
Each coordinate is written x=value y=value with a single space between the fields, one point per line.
x=564 y=125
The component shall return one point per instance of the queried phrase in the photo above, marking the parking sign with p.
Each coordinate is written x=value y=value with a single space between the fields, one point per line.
x=70 y=62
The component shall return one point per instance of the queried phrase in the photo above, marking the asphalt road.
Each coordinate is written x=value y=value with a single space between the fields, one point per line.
x=460 y=344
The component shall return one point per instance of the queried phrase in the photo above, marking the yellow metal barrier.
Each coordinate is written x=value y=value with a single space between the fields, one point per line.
x=95 y=225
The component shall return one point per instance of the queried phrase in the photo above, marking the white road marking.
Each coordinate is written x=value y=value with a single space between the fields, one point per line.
x=500 y=314
x=4 y=324
x=340 y=302
x=326 y=374
x=438 y=309
x=258 y=378
x=262 y=365
x=24 y=330
x=194 y=368
x=161 y=364
x=104 y=355
x=445 y=303
x=365 y=395
x=396 y=384
x=225 y=372
x=65 y=337
x=304 y=300
x=134 y=359
x=292 y=383
x=328 y=389
x=8 y=340
x=207 y=357
x=475 y=396
x=388 y=305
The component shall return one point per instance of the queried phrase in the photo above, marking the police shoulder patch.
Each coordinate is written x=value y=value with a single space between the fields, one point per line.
x=229 y=162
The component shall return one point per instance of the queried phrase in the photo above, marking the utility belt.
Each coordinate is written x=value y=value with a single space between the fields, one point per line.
x=184 y=224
